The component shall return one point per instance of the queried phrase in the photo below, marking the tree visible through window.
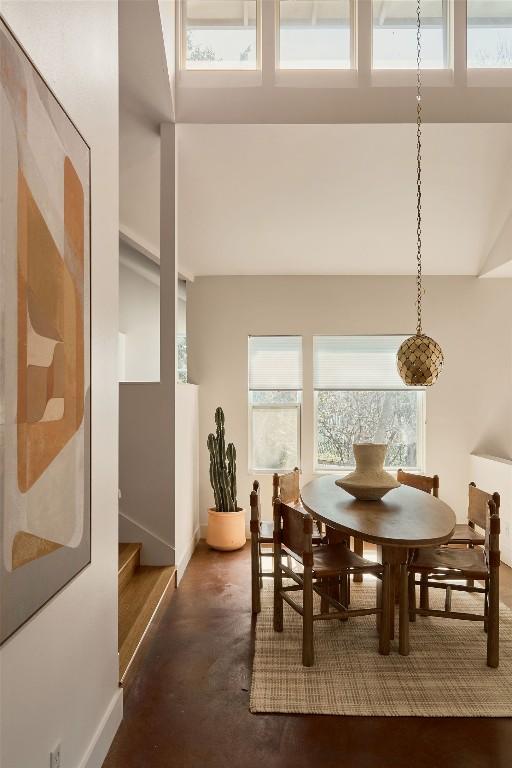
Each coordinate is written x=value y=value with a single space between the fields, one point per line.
x=489 y=34
x=219 y=34
x=345 y=418
x=196 y=52
x=181 y=347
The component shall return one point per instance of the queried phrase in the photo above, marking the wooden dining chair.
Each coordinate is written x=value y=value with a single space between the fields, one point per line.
x=261 y=536
x=329 y=564
x=421 y=482
x=467 y=533
x=286 y=486
x=428 y=484
x=442 y=566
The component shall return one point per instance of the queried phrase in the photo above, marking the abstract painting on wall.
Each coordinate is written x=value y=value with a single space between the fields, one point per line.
x=44 y=342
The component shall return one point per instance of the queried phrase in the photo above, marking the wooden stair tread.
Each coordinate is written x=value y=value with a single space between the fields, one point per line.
x=129 y=561
x=126 y=553
x=138 y=603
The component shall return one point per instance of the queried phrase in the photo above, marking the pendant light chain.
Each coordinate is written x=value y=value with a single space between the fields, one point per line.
x=419 y=358
x=418 y=165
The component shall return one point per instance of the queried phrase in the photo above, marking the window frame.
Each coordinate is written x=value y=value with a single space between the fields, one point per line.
x=253 y=470
x=232 y=73
x=421 y=417
x=485 y=76
x=403 y=76
x=251 y=407
x=289 y=74
x=362 y=73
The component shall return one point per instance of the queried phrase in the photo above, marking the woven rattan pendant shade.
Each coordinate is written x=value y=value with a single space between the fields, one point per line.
x=419 y=361
x=420 y=358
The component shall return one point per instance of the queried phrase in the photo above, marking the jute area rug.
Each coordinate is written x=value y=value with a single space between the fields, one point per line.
x=445 y=675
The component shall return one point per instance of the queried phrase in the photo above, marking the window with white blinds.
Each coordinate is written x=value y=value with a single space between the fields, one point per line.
x=275 y=363
x=356 y=362
x=275 y=400
x=360 y=397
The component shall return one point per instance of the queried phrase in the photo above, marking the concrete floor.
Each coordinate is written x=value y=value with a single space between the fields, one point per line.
x=187 y=701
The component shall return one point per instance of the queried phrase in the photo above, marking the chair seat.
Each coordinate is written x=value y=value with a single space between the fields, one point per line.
x=331 y=559
x=267 y=534
x=464 y=534
x=455 y=562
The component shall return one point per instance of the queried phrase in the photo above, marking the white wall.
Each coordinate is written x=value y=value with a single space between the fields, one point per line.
x=139 y=315
x=139 y=182
x=493 y=474
x=469 y=409
x=59 y=673
x=147 y=410
x=187 y=474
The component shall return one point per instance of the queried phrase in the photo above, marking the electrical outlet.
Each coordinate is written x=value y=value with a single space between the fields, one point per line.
x=55 y=758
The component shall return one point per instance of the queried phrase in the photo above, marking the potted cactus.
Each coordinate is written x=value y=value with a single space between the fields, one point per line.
x=226 y=521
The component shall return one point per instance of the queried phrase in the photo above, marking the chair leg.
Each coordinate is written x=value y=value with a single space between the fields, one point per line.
x=486 y=609
x=424 y=601
x=289 y=562
x=308 y=656
x=493 y=625
x=260 y=561
x=358 y=549
x=448 y=599
x=255 y=574
x=278 y=598
x=324 y=603
x=384 y=635
x=470 y=582
x=403 y=642
x=343 y=592
x=412 y=596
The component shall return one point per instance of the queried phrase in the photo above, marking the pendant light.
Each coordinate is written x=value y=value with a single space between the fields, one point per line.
x=419 y=358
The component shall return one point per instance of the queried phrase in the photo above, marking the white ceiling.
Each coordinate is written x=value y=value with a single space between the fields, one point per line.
x=339 y=199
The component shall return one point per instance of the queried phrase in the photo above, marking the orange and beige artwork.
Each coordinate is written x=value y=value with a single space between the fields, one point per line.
x=44 y=342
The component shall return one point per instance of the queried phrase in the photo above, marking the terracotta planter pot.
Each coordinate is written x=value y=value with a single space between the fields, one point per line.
x=226 y=530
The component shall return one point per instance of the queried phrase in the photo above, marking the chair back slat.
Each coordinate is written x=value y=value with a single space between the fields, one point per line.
x=294 y=527
x=255 y=502
x=492 y=527
x=287 y=486
x=421 y=482
x=478 y=505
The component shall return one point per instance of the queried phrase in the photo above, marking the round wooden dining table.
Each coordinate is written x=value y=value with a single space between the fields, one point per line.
x=404 y=519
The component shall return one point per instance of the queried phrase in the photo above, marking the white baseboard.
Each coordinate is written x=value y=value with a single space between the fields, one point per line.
x=182 y=563
x=155 y=551
x=104 y=735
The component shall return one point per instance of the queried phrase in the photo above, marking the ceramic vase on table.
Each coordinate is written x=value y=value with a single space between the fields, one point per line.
x=369 y=481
